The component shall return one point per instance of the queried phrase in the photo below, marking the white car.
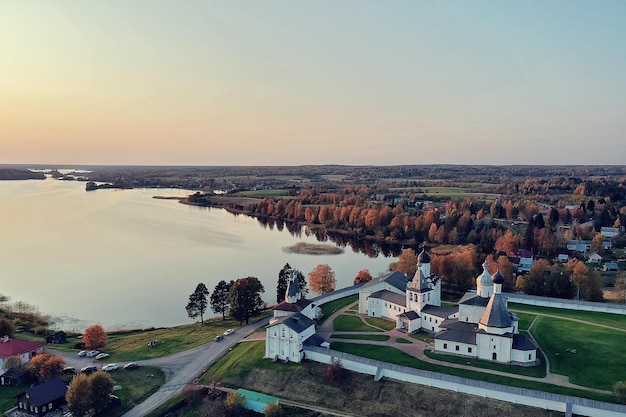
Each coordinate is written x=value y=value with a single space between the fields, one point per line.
x=82 y=353
x=131 y=365
x=102 y=355
x=92 y=353
x=229 y=331
x=109 y=367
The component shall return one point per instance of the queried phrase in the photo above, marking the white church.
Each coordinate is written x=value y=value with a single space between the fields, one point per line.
x=479 y=327
x=292 y=327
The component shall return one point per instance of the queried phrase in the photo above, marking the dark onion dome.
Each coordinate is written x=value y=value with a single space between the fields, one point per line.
x=423 y=257
x=497 y=278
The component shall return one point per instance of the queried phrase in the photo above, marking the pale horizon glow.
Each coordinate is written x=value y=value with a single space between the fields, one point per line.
x=357 y=82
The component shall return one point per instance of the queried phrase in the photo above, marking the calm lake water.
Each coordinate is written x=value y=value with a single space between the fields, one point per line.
x=126 y=260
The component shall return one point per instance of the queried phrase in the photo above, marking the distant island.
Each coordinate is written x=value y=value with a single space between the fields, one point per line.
x=313 y=249
x=20 y=174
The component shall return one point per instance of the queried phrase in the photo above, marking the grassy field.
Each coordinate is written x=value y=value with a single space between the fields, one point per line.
x=137 y=385
x=329 y=308
x=598 y=361
x=374 y=337
x=263 y=193
x=395 y=356
x=534 y=371
x=381 y=323
x=607 y=319
x=359 y=394
x=350 y=323
x=525 y=320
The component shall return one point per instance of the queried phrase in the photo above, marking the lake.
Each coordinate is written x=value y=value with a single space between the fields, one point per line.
x=124 y=259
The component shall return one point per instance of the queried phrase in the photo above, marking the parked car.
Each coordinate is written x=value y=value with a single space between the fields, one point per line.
x=82 y=353
x=218 y=337
x=131 y=365
x=92 y=353
x=229 y=331
x=89 y=369
x=114 y=401
x=109 y=367
x=69 y=370
x=102 y=355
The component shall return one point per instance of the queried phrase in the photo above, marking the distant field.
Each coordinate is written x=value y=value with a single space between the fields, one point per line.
x=453 y=192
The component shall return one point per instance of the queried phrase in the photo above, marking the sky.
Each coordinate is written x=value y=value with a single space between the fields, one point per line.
x=354 y=82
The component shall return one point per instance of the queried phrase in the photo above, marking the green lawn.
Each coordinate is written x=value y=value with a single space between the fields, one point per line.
x=423 y=336
x=534 y=371
x=375 y=337
x=350 y=323
x=329 y=308
x=599 y=361
x=137 y=385
x=607 y=319
x=244 y=357
x=7 y=396
x=525 y=320
x=403 y=340
x=382 y=323
x=395 y=356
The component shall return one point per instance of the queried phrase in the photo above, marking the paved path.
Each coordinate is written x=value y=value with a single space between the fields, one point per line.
x=417 y=348
x=186 y=366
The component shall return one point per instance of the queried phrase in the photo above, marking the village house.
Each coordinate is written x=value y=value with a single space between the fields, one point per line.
x=22 y=349
x=581 y=246
x=43 y=398
x=609 y=232
x=522 y=260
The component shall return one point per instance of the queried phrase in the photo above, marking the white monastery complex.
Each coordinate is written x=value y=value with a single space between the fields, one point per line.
x=479 y=327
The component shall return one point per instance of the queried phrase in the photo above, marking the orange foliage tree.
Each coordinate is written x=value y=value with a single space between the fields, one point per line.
x=363 y=276
x=94 y=337
x=407 y=262
x=322 y=279
x=52 y=367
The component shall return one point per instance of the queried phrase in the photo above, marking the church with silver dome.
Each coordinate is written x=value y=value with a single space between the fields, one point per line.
x=479 y=327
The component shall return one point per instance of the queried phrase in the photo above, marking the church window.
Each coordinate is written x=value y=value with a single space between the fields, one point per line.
x=494 y=346
x=529 y=356
x=445 y=346
x=456 y=348
x=466 y=318
x=469 y=350
x=494 y=356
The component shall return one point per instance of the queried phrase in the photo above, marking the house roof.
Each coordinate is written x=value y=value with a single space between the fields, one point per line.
x=298 y=306
x=47 y=392
x=437 y=311
x=521 y=342
x=13 y=347
x=314 y=340
x=389 y=296
x=411 y=315
x=467 y=336
x=297 y=322
x=523 y=253
x=475 y=301
x=496 y=314
x=293 y=288
x=396 y=279
x=257 y=396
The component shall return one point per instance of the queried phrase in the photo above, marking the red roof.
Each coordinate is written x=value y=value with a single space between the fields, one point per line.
x=14 y=347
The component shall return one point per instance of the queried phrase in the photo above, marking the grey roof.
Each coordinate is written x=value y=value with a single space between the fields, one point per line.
x=293 y=288
x=314 y=340
x=47 y=392
x=423 y=257
x=476 y=301
x=496 y=314
x=457 y=335
x=389 y=296
x=396 y=279
x=438 y=311
x=521 y=342
x=297 y=322
x=458 y=325
x=411 y=315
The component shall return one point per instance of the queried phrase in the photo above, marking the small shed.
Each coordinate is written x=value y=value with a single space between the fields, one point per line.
x=58 y=337
x=256 y=401
x=595 y=257
x=610 y=266
x=15 y=377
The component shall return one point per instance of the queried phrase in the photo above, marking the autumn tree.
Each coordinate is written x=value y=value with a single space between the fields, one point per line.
x=94 y=337
x=322 y=279
x=245 y=298
x=197 y=305
x=78 y=396
x=35 y=365
x=11 y=362
x=234 y=402
x=219 y=298
x=272 y=409
x=508 y=243
x=407 y=262
x=6 y=328
x=362 y=277
x=596 y=244
x=534 y=282
x=101 y=389
x=52 y=367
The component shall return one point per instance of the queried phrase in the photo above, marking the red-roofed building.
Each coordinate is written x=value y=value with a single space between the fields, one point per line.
x=23 y=349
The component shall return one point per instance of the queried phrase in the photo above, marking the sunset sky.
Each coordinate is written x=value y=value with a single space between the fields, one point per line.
x=288 y=82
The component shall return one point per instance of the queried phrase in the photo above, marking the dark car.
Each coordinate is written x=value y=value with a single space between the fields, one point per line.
x=89 y=369
x=69 y=370
x=218 y=337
